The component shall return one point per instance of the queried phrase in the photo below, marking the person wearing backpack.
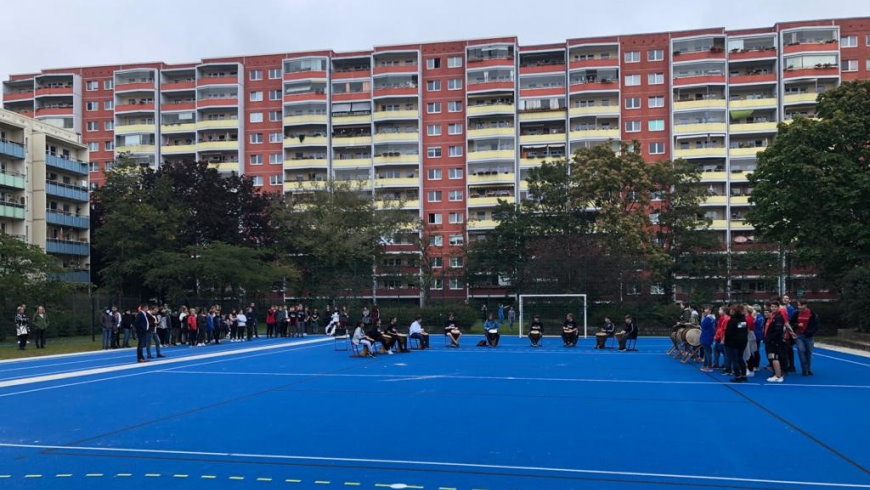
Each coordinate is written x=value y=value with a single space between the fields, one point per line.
x=807 y=324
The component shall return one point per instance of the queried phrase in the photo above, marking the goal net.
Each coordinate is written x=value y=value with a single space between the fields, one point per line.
x=553 y=309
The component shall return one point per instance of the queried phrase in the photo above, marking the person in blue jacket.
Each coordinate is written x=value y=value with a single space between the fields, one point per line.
x=490 y=331
x=708 y=330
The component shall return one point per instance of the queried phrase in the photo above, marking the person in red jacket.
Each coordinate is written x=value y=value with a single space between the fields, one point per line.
x=719 y=339
x=270 y=321
x=192 y=327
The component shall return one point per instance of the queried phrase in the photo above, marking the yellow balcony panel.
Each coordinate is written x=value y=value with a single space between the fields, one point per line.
x=490 y=109
x=306 y=119
x=306 y=141
x=482 y=224
x=608 y=110
x=524 y=185
x=178 y=128
x=789 y=121
x=352 y=163
x=135 y=149
x=766 y=127
x=501 y=177
x=542 y=116
x=491 y=155
x=714 y=176
x=409 y=159
x=740 y=176
x=136 y=128
x=752 y=103
x=489 y=201
x=225 y=167
x=799 y=98
x=595 y=134
x=398 y=182
x=304 y=185
x=379 y=138
x=306 y=163
x=718 y=224
x=701 y=152
x=343 y=120
x=217 y=145
x=700 y=128
x=411 y=204
x=700 y=104
x=176 y=149
x=218 y=123
x=740 y=200
x=745 y=152
x=715 y=201
x=355 y=141
x=481 y=133
x=380 y=116
x=534 y=162
x=740 y=225
x=543 y=138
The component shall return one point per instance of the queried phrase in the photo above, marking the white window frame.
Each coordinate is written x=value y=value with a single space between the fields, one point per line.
x=434 y=196
x=456 y=240
x=108 y=105
x=276 y=137
x=631 y=57
x=433 y=152
x=454 y=62
x=255 y=159
x=454 y=128
x=655 y=78
x=257 y=180
x=432 y=62
x=455 y=218
x=650 y=148
x=276 y=179
x=455 y=173
x=275 y=94
x=255 y=117
x=434 y=219
x=255 y=137
x=274 y=116
x=454 y=106
x=434 y=174
x=627 y=99
x=255 y=75
x=454 y=151
x=655 y=55
x=276 y=158
x=433 y=85
x=109 y=125
x=433 y=130
x=656 y=125
x=437 y=262
x=454 y=84
x=92 y=85
x=433 y=108
x=94 y=146
x=92 y=126
x=436 y=240
x=92 y=106
x=456 y=262
x=109 y=145
x=454 y=196
x=635 y=126
x=849 y=66
x=276 y=71
x=849 y=41
x=632 y=80
x=654 y=99
x=255 y=96
x=108 y=84
x=454 y=283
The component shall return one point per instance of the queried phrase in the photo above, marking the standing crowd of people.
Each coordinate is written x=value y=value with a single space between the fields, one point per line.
x=25 y=326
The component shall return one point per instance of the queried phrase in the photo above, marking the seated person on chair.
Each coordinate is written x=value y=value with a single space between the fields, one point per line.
x=360 y=338
x=604 y=332
x=570 y=332
x=451 y=330
x=375 y=332
x=490 y=331
x=400 y=338
x=536 y=331
x=629 y=331
x=416 y=332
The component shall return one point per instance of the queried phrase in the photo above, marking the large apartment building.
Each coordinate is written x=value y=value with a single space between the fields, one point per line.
x=44 y=197
x=452 y=127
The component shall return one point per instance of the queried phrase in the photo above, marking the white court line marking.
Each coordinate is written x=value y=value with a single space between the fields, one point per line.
x=841 y=360
x=542 y=469
x=143 y=365
x=55 y=364
x=149 y=372
x=408 y=377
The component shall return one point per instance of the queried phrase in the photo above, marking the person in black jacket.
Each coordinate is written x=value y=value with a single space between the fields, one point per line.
x=393 y=332
x=774 y=340
x=451 y=330
x=536 y=331
x=736 y=337
x=629 y=331
x=570 y=332
x=142 y=326
x=127 y=320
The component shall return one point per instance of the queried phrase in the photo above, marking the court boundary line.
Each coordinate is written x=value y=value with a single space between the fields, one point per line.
x=841 y=359
x=448 y=464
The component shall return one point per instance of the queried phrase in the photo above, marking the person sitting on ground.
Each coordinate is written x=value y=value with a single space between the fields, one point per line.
x=360 y=338
x=400 y=339
x=629 y=331
x=570 y=332
x=451 y=330
x=536 y=331
x=490 y=331
x=416 y=331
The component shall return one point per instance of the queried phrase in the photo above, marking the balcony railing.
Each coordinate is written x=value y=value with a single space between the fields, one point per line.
x=11 y=148
x=67 y=191
x=67 y=247
x=13 y=180
x=60 y=218
x=74 y=166
x=11 y=210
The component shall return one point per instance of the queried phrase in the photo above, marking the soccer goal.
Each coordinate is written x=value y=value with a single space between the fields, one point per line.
x=552 y=308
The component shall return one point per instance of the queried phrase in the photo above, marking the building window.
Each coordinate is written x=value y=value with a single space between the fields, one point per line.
x=434 y=219
x=454 y=173
x=632 y=56
x=433 y=107
x=454 y=84
x=632 y=80
x=849 y=42
x=433 y=196
x=454 y=196
x=109 y=145
x=109 y=105
x=274 y=73
x=93 y=146
x=456 y=218
x=656 y=101
x=93 y=85
x=656 y=148
x=256 y=138
x=92 y=126
x=436 y=240
x=454 y=151
x=274 y=116
x=258 y=181
x=437 y=284
x=455 y=262
x=255 y=75
x=849 y=65
x=454 y=283
x=433 y=63
x=632 y=126
x=275 y=179
x=656 y=125
x=433 y=130
x=456 y=240
x=437 y=262
x=275 y=94
x=256 y=159
x=454 y=128
x=433 y=152
x=256 y=96
x=454 y=106
x=109 y=125
x=454 y=62
x=276 y=158
x=433 y=85
x=275 y=137
x=655 y=78
x=434 y=174
x=655 y=55
x=108 y=84
x=632 y=102
x=92 y=106
x=256 y=117
x=867 y=65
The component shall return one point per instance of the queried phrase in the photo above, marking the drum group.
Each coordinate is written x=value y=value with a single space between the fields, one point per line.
x=686 y=338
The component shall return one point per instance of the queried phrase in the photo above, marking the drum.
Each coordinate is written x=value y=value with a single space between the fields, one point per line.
x=681 y=335
x=600 y=340
x=693 y=336
x=620 y=335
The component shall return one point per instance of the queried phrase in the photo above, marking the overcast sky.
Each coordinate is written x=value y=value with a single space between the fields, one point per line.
x=65 y=33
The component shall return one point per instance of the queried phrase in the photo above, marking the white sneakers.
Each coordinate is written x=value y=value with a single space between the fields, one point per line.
x=775 y=379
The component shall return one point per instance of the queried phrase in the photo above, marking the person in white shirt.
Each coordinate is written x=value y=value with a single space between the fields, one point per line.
x=360 y=338
x=416 y=332
x=242 y=321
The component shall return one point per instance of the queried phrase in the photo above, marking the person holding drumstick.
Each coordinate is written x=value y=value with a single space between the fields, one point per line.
x=490 y=331
x=570 y=332
x=451 y=330
x=536 y=331
x=629 y=331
